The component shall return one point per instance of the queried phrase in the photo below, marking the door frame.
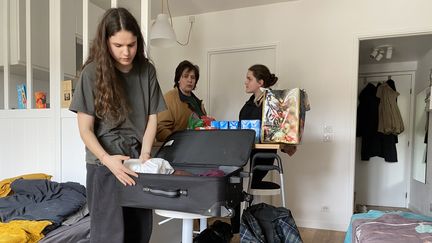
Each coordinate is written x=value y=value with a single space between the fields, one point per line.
x=408 y=127
x=357 y=37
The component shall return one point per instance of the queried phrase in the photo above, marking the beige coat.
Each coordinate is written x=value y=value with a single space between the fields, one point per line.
x=175 y=117
x=389 y=117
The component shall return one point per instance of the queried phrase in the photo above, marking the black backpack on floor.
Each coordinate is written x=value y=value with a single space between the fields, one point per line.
x=263 y=223
x=218 y=232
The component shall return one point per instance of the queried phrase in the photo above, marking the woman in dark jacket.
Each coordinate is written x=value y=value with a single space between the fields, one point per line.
x=258 y=77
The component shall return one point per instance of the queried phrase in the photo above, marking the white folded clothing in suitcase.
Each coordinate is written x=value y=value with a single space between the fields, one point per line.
x=151 y=166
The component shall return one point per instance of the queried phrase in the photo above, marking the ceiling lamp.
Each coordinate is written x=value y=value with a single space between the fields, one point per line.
x=162 y=32
x=374 y=53
x=380 y=55
x=379 y=51
x=389 y=53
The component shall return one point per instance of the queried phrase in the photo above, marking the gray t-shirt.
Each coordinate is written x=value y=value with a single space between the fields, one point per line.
x=144 y=97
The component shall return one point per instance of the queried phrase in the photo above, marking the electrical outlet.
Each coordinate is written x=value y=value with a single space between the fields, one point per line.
x=192 y=19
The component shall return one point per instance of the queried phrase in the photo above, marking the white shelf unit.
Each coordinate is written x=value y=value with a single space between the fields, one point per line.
x=44 y=140
x=25 y=29
x=33 y=137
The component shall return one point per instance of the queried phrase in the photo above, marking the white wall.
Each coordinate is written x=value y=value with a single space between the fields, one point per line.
x=423 y=71
x=421 y=194
x=1 y=91
x=95 y=14
x=317 y=43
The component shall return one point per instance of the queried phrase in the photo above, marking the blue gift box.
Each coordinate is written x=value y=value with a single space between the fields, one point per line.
x=233 y=125
x=215 y=124
x=223 y=124
x=254 y=125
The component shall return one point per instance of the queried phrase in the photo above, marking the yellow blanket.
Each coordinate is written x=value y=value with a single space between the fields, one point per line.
x=5 y=184
x=22 y=231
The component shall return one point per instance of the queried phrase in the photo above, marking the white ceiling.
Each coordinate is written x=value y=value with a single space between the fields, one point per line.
x=188 y=7
x=193 y=7
x=411 y=48
x=408 y=48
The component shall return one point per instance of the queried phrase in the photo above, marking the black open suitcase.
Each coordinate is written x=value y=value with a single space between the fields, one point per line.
x=195 y=151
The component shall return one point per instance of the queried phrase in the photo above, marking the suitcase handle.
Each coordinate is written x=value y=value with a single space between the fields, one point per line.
x=166 y=193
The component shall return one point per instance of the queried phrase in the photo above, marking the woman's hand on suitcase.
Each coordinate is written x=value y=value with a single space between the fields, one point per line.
x=121 y=172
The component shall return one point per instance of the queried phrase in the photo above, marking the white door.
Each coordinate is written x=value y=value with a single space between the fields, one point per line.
x=227 y=74
x=381 y=183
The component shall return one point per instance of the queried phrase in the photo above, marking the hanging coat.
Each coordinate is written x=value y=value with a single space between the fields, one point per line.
x=373 y=142
x=389 y=118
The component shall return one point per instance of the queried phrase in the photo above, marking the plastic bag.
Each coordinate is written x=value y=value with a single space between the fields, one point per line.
x=284 y=114
x=203 y=122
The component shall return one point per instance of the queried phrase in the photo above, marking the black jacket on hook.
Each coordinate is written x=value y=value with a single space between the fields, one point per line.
x=373 y=143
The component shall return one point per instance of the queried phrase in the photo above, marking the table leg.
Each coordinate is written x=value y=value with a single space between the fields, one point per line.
x=187 y=230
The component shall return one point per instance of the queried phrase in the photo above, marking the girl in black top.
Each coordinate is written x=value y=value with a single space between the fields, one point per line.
x=257 y=77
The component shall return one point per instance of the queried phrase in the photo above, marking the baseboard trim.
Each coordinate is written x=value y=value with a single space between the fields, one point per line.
x=324 y=225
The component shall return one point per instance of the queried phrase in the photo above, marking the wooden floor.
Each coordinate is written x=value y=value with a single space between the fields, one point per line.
x=321 y=236
x=327 y=236
x=313 y=236
x=308 y=235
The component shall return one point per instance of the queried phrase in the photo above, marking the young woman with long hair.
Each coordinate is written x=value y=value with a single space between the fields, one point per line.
x=116 y=100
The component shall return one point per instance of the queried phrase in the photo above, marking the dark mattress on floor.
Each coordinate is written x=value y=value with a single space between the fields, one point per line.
x=78 y=232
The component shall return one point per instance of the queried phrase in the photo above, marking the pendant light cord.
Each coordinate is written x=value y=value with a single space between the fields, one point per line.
x=190 y=27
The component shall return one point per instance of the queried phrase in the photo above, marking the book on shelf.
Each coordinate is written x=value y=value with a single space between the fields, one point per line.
x=67 y=92
x=22 y=96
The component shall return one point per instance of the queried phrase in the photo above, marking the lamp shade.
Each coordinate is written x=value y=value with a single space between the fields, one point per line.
x=161 y=33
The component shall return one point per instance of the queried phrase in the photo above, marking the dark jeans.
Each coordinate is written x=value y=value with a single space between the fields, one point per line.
x=109 y=221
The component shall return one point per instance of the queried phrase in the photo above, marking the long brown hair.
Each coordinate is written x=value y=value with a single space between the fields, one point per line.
x=110 y=100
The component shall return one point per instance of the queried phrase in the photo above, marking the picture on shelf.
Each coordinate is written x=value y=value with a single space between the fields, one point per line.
x=40 y=98
x=67 y=93
x=22 y=96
